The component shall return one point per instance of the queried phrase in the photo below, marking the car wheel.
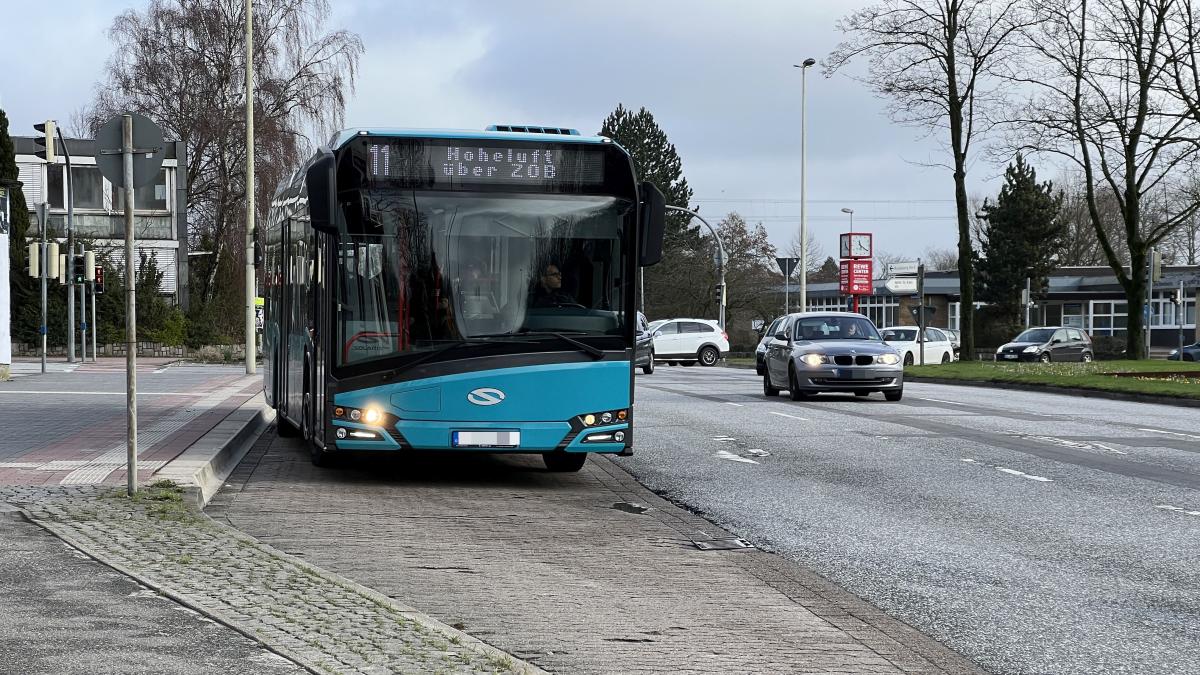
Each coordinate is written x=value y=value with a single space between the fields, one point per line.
x=709 y=356
x=1045 y=357
x=649 y=367
x=1188 y=357
x=946 y=358
x=908 y=359
x=894 y=395
x=794 y=392
x=862 y=393
x=768 y=390
x=559 y=461
x=1087 y=357
x=687 y=364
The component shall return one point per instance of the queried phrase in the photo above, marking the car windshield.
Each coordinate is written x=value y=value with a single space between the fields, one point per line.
x=1037 y=335
x=834 y=328
x=418 y=269
x=900 y=335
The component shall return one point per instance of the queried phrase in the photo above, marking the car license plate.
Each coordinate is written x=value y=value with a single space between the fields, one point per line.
x=1010 y=356
x=486 y=439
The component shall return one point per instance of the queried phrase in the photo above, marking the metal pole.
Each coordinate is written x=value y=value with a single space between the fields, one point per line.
x=43 y=214
x=130 y=313
x=642 y=295
x=1181 y=318
x=1028 y=299
x=82 y=317
x=251 y=339
x=804 y=187
x=1148 y=314
x=70 y=250
x=92 y=288
x=720 y=257
x=921 y=310
x=787 y=287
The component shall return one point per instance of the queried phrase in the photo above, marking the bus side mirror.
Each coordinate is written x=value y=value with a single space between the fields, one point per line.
x=320 y=183
x=652 y=221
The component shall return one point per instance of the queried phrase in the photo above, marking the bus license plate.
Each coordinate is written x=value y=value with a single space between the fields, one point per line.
x=486 y=439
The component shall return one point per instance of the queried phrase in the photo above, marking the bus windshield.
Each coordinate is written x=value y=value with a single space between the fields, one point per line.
x=419 y=270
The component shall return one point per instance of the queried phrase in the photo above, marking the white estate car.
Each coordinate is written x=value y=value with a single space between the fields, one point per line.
x=938 y=346
x=689 y=341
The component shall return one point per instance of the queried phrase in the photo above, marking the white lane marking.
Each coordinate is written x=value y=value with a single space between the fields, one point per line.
x=724 y=439
x=739 y=405
x=725 y=454
x=1022 y=474
x=964 y=459
x=1177 y=509
x=102 y=393
x=791 y=417
x=938 y=400
x=1170 y=433
x=758 y=452
x=1109 y=449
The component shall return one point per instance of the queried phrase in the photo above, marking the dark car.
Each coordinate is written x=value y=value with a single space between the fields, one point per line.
x=1189 y=353
x=760 y=352
x=1047 y=344
x=643 y=348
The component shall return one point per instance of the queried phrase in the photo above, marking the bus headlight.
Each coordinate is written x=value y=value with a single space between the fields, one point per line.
x=355 y=414
x=605 y=417
x=372 y=416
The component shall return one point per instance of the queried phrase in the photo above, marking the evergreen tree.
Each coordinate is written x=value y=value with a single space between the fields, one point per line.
x=655 y=160
x=1024 y=236
x=25 y=300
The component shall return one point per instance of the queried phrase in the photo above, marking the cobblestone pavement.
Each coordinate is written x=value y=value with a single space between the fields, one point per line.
x=576 y=573
x=320 y=620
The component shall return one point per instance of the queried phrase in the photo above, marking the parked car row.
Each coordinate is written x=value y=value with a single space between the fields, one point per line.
x=679 y=342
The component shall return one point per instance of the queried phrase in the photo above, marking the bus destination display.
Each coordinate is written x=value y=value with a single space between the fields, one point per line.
x=476 y=163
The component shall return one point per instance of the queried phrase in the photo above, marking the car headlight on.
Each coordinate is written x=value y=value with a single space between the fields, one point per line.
x=814 y=359
x=888 y=359
x=1032 y=349
x=999 y=350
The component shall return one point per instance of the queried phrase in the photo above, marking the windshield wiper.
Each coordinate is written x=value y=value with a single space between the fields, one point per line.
x=594 y=352
x=425 y=356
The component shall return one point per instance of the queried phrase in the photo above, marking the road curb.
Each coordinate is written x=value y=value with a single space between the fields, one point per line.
x=204 y=466
x=1069 y=391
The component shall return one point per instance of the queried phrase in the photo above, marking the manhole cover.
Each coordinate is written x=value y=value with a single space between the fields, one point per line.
x=725 y=544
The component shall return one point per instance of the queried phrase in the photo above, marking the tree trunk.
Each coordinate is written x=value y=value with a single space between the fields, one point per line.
x=1135 y=294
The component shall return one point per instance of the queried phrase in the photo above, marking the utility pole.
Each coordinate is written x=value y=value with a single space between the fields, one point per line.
x=43 y=213
x=808 y=63
x=921 y=310
x=1028 y=299
x=251 y=339
x=130 y=312
x=70 y=248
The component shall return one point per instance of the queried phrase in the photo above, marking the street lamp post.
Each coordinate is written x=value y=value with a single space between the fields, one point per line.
x=808 y=63
x=720 y=258
x=851 y=212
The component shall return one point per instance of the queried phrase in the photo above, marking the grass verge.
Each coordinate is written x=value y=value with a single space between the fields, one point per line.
x=1096 y=375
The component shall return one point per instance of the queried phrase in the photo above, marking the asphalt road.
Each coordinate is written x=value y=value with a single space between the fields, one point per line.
x=1033 y=533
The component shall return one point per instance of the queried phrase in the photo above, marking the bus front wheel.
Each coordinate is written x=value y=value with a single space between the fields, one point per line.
x=564 y=461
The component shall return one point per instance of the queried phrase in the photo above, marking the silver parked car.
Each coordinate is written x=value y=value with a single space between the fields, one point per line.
x=832 y=352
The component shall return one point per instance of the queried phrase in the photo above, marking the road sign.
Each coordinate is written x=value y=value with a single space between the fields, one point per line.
x=899 y=269
x=855 y=277
x=898 y=285
x=787 y=265
x=148 y=151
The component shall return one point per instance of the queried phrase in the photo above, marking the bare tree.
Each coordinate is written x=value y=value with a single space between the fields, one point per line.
x=816 y=254
x=182 y=63
x=940 y=259
x=932 y=59
x=1102 y=72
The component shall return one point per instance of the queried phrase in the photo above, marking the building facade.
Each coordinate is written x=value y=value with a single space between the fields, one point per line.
x=160 y=208
x=1089 y=298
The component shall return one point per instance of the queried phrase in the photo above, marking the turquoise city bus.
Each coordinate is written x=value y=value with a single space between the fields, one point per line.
x=458 y=291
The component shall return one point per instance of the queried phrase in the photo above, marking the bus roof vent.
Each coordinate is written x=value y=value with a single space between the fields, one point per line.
x=524 y=129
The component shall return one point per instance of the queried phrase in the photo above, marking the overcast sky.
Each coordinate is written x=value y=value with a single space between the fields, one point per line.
x=717 y=75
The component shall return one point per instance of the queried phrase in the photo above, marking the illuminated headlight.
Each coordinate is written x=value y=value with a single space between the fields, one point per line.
x=372 y=416
x=1031 y=349
x=606 y=417
x=364 y=415
x=888 y=359
x=999 y=350
x=363 y=435
x=814 y=359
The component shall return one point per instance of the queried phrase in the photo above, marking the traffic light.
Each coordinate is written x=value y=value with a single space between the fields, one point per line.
x=77 y=270
x=719 y=293
x=1155 y=265
x=47 y=142
x=99 y=285
x=89 y=266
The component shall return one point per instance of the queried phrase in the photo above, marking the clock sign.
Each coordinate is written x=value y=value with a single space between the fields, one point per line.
x=855 y=245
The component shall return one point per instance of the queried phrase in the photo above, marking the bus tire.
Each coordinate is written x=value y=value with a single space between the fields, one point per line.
x=559 y=461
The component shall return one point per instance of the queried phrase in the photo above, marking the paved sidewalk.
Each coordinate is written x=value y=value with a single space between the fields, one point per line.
x=576 y=573
x=69 y=428
x=322 y=621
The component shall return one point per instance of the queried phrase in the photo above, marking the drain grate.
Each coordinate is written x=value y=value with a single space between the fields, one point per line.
x=723 y=544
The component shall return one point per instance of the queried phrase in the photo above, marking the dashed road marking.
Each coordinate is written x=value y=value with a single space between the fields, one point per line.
x=938 y=400
x=725 y=454
x=791 y=417
x=739 y=405
x=758 y=452
x=1176 y=509
x=1022 y=474
x=1171 y=433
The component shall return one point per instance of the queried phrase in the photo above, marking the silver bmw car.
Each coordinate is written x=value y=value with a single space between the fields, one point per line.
x=814 y=352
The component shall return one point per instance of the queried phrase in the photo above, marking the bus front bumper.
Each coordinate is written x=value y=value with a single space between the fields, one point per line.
x=515 y=437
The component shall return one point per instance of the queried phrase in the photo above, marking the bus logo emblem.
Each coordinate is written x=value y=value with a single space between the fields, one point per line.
x=485 y=396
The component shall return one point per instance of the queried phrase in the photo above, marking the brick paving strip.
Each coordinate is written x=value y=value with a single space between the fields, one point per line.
x=322 y=621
